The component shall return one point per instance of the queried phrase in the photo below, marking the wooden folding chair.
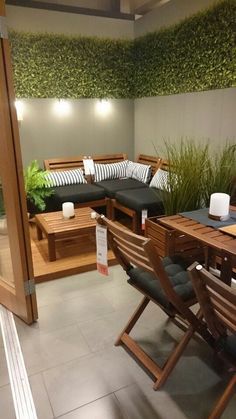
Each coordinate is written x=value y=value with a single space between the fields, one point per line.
x=166 y=283
x=218 y=304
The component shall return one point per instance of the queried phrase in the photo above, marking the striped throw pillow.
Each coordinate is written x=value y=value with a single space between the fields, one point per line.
x=110 y=171
x=65 y=177
x=160 y=180
x=139 y=171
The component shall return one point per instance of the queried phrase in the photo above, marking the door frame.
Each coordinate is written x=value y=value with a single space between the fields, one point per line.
x=20 y=298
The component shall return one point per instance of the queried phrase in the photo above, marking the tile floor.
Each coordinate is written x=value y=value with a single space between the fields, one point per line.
x=76 y=372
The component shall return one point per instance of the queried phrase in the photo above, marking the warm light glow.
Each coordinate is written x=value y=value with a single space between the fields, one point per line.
x=19 y=110
x=62 y=107
x=103 y=107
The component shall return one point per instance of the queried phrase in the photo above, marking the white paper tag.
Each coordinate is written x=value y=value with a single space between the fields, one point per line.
x=89 y=168
x=144 y=216
x=101 y=242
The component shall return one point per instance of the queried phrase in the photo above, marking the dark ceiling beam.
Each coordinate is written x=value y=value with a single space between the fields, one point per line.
x=71 y=9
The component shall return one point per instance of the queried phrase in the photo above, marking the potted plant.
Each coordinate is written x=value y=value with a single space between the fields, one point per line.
x=37 y=188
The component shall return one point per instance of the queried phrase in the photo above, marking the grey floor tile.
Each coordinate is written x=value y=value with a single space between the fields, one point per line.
x=47 y=350
x=69 y=312
x=84 y=380
x=136 y=404
x=104 y=408
x=40 y=397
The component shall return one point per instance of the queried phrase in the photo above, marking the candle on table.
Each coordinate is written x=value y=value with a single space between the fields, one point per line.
x=219 y=205
x=68 y=210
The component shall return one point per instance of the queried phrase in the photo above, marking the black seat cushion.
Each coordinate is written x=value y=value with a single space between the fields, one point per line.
x=114 y=185
x=139 y=199
x=150 y=285
x=74 y=193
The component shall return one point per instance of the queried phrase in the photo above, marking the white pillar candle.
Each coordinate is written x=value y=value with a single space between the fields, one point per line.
x=219 y=205
x=68 y=210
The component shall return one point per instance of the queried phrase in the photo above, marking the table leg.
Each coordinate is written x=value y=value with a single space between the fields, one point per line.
x=51 y=248
x=39 y=232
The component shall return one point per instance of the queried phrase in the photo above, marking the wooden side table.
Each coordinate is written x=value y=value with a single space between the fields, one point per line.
x=55 y=227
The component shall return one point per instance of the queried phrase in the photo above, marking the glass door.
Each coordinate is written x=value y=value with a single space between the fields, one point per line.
x=17 y=291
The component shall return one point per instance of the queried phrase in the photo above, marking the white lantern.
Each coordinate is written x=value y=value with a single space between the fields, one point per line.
x=68 y=210
x=219 y=206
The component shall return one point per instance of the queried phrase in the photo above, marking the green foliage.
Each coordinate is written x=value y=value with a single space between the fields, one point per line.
x=48 y=65
x=197 y=54
x=185 y=185
x=36 y=186
x=220 y=175
x=195 y=174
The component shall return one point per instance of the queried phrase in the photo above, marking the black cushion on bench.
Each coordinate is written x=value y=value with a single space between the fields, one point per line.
x=139 y=199
x=179 y=278
x=78 y=193
x=114 y=185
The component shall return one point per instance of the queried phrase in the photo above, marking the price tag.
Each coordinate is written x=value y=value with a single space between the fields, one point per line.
x=144 y=216
x=101 y=242
x=89 y=166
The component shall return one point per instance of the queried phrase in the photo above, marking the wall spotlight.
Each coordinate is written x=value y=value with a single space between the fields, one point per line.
x=62 y=107
x=103 y=107
x=19 y=110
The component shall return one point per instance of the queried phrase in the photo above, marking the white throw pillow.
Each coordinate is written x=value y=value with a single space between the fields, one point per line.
x=65 y=177
x=110 y=171
x=141 y=172
x=160 y=180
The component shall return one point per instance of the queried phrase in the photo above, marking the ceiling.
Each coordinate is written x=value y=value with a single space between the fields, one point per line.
x=122 y=9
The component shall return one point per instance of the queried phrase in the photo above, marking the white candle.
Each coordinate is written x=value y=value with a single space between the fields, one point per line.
x=68 y=210
x=93 y=214
x=219 y=205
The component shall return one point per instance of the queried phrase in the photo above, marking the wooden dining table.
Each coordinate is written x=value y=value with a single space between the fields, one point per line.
x=216 y=242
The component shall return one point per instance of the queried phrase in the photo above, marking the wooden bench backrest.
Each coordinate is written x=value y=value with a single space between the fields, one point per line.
x=69 y=163
x=154 y=162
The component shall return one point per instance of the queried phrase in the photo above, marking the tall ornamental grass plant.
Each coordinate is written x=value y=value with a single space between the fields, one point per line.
x=195 y=173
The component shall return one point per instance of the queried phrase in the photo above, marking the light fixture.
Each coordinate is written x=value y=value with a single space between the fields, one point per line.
x=62 y=107
x=219 y=206
x=19 y=110
x=103 y=107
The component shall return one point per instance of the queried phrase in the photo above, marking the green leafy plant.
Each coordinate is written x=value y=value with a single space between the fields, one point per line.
x=194 y=55
x=37 y=187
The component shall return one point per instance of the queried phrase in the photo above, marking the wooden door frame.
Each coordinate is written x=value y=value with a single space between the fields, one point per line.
x=14 y=196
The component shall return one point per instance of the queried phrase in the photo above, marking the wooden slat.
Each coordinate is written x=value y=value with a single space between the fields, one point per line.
x=67 y=163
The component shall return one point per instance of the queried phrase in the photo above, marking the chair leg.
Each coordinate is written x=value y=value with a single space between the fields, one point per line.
x=133 y=320
x=173 y=358
x=224 y=399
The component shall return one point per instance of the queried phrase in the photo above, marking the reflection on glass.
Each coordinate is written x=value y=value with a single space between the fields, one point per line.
x=6 y=269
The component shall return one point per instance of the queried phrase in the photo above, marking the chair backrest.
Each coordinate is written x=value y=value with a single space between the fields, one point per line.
x=133 y=250
x=67 y=163
x=217 y=300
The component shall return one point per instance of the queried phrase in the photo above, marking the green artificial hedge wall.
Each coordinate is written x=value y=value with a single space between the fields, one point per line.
x=197 y=54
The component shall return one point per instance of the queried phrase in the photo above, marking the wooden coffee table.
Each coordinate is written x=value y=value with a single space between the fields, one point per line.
x=55 y=227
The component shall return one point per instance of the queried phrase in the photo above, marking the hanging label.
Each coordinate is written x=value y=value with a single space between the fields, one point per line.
x=101 y=242
x=89 y=166
x=144 y=216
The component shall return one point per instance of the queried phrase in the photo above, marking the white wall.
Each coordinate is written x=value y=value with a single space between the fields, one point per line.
x=202 y=115
x=168 y=14
x=36 y=20
x=46 y=134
